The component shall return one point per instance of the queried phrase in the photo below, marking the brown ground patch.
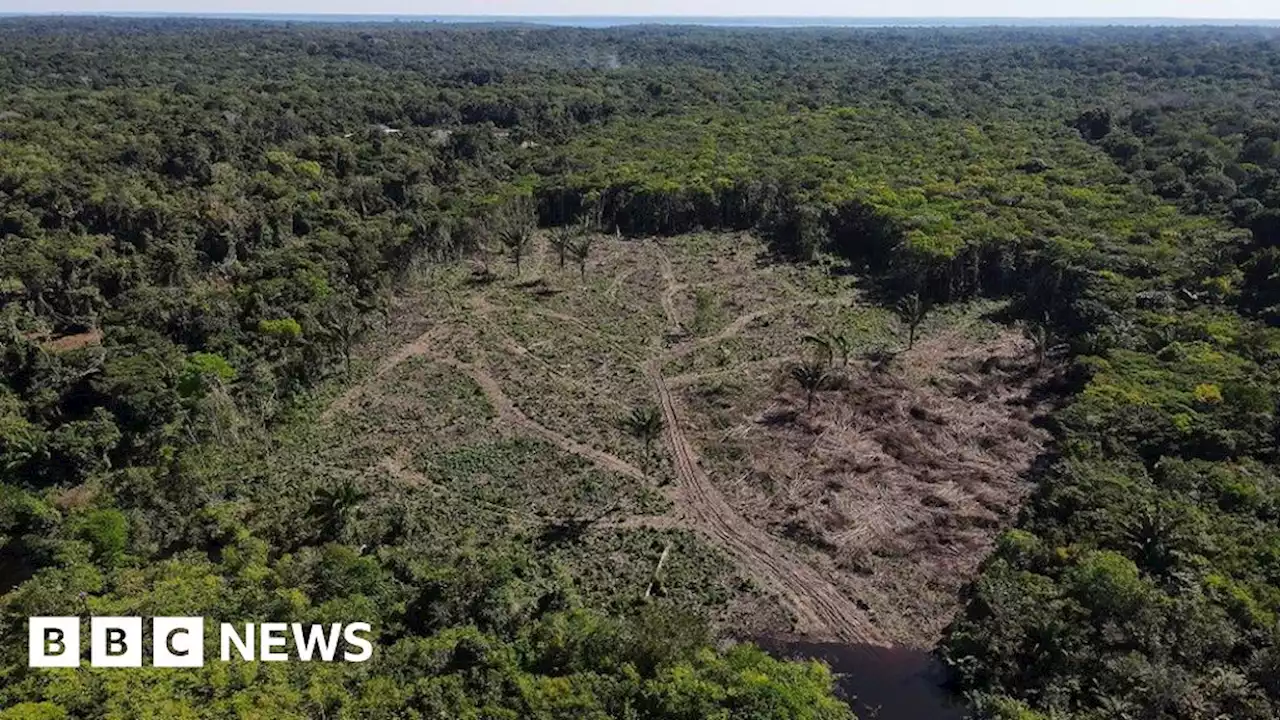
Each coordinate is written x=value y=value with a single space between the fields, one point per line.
x=898 y=481
x=78 y=341
x=862 y=518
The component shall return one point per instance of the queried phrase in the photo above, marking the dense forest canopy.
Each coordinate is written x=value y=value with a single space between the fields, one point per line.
x=200 y=219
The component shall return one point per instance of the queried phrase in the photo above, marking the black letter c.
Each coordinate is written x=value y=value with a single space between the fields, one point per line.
x=168 y=642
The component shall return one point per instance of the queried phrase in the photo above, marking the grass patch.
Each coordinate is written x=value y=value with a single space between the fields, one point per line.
x=534 y=477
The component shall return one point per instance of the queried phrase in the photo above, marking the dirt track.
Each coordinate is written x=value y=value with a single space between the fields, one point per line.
x=819 y=607
x=742 y=322
x=668 y=297
x=419 y=347
x=509 y=412
x=822 y=612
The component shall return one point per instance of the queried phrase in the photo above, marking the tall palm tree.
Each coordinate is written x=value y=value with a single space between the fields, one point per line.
x=580 y=251
x=516 y=238
x=812 y=376
x=336 y=506
x=561 y=239
x=912 y=311
x=1160 y=540
x=644 y=423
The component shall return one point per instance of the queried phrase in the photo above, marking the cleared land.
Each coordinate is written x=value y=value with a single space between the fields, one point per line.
x=855 y=519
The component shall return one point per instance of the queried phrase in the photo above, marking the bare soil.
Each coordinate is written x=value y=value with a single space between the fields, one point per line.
x=862 y=516
x=78 y=341
x=896 y=482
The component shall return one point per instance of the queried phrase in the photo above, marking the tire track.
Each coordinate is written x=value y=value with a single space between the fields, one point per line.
x=672 y=287
x=509 y=412
x=821 y=609
x=419 y=346
x=741 y=322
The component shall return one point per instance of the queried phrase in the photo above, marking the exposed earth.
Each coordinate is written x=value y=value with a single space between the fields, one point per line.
x=853 y=520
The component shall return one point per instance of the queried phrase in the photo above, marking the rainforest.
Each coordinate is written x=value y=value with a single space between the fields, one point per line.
x=646 y=372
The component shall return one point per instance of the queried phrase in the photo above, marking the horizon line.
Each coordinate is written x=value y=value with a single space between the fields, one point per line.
x=665 y=16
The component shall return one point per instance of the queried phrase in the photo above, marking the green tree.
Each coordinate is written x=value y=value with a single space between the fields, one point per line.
x=107 y=531
x=562 y=239
x=645 y=423
x=580 y=250
x=517 y=239
x=811 y=376
x=337 y=506
x=912 y=311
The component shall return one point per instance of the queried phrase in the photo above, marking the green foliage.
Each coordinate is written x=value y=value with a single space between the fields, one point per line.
x=562 y=238
x=198 y=220
x=754 y=686
x=1003 y=708
x=644 y=423
x=106 y=531
x=21 y=441
x=811 y=376
x=515 y=231
x=203 y=371
x=580 y=251
x=286 y=328
x=912 y=311
x=34 y=711
x=706 y=309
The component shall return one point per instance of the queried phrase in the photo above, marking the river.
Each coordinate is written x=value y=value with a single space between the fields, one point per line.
x=893 y=683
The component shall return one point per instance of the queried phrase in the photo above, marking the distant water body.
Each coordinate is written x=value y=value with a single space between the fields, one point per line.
x=608 y=21
x=894 y=683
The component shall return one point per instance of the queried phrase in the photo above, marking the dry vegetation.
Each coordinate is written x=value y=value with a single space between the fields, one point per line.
x=896 y=480
x=857 y=520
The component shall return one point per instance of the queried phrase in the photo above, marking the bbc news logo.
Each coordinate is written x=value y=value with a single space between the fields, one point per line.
x=178 y=642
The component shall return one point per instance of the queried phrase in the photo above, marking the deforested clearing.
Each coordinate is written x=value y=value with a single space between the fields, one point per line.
x=859 y=516
x=897 y=479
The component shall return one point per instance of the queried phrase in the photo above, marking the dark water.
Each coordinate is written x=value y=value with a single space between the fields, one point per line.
x=879 y=683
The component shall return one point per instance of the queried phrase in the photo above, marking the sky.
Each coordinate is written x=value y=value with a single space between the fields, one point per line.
x=1201 y=9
